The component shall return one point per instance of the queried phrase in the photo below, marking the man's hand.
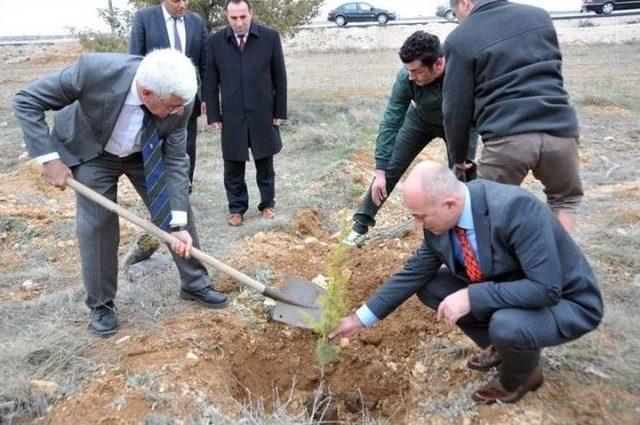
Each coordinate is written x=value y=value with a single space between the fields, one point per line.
x=379 y=188
x=454 y=307
x=55 y=173
x=277 y=122
x=217 y=125
x=203 y=108
x=347 y=326
x=181 y=243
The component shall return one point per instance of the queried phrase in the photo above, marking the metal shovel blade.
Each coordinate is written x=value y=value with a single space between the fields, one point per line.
x=304 y=292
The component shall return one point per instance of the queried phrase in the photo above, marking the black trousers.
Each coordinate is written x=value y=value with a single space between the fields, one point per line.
x=192 y=134
x=412 y=137
x=236 y=188
x=517 y=334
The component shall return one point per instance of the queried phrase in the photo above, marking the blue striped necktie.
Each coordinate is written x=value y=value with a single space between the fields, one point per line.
x=156 y=185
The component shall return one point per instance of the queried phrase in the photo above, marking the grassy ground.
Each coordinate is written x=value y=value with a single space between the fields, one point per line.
x=335 y=103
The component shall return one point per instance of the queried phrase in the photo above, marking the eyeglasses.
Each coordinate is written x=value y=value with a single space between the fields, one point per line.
x=176 y=110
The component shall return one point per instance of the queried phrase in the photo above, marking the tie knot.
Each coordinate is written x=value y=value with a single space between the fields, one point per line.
x=460 y=231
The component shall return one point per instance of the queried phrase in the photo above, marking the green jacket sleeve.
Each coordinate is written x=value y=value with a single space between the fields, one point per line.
x=399 y=101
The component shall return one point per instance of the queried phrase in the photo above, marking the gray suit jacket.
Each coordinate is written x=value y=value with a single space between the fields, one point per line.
x=527 y=258
x=88 y=97
x=149 y=32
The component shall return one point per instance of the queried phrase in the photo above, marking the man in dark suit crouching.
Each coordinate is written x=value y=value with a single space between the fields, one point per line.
x=513 y=279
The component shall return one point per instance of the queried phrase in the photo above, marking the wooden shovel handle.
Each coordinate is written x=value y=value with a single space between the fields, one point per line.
x=162 y=235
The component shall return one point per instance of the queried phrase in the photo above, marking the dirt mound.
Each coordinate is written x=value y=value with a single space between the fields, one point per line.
x=308 y=223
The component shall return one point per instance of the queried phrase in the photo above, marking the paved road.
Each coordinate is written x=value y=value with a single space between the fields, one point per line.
x=435 y=19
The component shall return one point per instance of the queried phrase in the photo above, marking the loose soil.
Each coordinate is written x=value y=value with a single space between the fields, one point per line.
x=409 y=369
x=390 y=371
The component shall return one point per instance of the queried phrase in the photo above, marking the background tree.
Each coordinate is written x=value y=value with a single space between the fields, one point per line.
x=286 y=16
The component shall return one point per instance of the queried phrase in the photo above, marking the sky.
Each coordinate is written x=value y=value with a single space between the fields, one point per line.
x=53 y=17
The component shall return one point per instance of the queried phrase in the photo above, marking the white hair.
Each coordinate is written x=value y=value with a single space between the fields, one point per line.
x=168 y=72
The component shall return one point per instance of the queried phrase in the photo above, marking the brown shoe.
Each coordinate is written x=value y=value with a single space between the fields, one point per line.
x=485 y=361
x=494 y=391
x=268 y=213
x=235 y=220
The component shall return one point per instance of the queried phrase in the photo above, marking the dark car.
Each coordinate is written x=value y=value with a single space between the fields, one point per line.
x=443 y=10
x=359 y=12
x=608 y=6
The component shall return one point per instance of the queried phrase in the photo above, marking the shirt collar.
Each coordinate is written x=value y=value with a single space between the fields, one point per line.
x=166 y=14
x=132 y=96
x=466 y=218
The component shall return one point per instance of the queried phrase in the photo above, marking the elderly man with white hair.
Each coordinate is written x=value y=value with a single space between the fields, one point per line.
x=119 y=114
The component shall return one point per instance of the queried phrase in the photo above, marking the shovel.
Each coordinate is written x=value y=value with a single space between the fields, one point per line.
x=295 y=302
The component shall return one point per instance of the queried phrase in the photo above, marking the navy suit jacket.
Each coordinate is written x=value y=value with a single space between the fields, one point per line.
x=149 y=32
x=527 y=258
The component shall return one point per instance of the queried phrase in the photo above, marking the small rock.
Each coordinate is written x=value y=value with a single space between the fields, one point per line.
x=28 y=284
x=123 y=340
x=3 y=124
x=393 y=366
x=609 y=139
x=23 y=155
x=192 y=356
x=320 y=280
x=419 y=368
x=260 y=237
x=310 y=240
x=46 y=388
x=371 y=338
x=344 y=342
x=60 y=244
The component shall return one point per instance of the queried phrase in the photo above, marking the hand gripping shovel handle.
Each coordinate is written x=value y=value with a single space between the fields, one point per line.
x=166 y=237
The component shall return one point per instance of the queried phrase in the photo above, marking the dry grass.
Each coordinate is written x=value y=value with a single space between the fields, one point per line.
x=336 y=101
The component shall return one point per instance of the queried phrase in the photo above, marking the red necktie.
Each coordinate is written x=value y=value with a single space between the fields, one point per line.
x=471 y=265
x=241 y=43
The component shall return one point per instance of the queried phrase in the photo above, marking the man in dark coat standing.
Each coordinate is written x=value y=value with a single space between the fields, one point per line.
x=171 y=25
x=245 y=86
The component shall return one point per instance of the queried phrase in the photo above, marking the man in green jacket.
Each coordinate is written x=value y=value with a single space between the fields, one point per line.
x=412 y=119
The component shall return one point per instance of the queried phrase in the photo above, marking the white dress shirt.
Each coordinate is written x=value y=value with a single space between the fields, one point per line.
x=182 y=32
x=125 y=140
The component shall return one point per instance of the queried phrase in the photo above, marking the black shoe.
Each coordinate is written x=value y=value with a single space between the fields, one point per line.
x=207 y=297
x=103 y=320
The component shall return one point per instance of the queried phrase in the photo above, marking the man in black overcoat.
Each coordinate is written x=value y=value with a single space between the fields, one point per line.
x=245 y=87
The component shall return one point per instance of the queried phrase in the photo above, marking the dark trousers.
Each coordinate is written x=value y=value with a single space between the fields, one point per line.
x=412 y=137
x=517 y=334
x=236 y=188
x=98 y=228
x=192 y=134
